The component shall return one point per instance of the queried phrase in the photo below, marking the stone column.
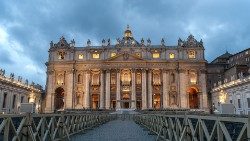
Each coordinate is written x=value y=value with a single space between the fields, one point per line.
x=203 y=95
x=165 y=81
x=1 y=99
x=87 y=95
x=107 y=89
x=144 y=89
x=150 y=94
x=118 y=89
x=69 y=91
x=102 y=91
x=49 y=103
x=133 y=96
x=183 y=97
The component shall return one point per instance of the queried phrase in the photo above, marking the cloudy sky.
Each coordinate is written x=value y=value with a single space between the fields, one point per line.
x=27 y=27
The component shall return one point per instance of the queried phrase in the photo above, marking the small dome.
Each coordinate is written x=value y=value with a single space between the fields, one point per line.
x=128 y=32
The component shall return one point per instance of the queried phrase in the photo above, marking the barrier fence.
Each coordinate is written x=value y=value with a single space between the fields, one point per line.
x=196 y=127
x=43 y=127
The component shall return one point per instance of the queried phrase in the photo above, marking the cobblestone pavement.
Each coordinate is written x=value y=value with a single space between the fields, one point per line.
x=117 y=130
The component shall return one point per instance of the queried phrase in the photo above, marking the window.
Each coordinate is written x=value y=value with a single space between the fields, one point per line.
x=22 y=99
x=79 y=78
x=60 y=79
x=239 y=103
x=172 y=80
x=80 y=56
x=156 y=55
x=95 y=55
x=191 y=54
x=4 y=100
x=61 y=55
x=171 y=55
x=138 y=55
x=231 y=101
x=113 y=54
x=248 y=102
x=193 y=77
x=14 y=101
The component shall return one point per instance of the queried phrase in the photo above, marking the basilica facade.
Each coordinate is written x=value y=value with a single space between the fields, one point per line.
x=126 y=74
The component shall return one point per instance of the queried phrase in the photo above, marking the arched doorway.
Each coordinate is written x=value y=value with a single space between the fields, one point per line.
x=59 y=98
x=126 y=98
x=157 y=101
x=193 y=98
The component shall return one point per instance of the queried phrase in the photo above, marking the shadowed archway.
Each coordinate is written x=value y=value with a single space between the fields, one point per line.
x=59 y=98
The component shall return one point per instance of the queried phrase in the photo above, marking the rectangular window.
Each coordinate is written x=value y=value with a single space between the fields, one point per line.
x=22 y=99
x=4 y=100
x=231 y=101
x=171 y=55
x=80 y=56
x=239 y=103
x=248 y=102
x=95 y=55
x=14 y=102
x=156 y=55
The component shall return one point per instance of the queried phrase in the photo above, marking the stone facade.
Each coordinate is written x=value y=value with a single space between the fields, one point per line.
x=236 y=92
x=128 y=74
x=13 y=92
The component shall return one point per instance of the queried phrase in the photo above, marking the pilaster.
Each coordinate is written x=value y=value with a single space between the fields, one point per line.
x=107 y=89
x=118 y=89
x=133 y=96
x=144 y=89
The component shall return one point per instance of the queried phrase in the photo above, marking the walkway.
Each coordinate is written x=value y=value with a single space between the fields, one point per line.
x=117 y=130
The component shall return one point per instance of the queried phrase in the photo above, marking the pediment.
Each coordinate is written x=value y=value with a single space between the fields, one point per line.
x=125 y=57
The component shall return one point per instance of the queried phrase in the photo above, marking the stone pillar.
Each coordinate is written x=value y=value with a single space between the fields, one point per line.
x=150 y=94
x=107 y=89
x=69 y=91
x=1 y=99
x=118 y=89
x=102 y=91
x=133 y=96
x=183 y=97
x=203 y=95
x=165 y=85
x=49 y=103
x=144 y=89
x=87 y=95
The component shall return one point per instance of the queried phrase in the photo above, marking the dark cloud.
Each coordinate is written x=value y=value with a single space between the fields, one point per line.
x=223 y=25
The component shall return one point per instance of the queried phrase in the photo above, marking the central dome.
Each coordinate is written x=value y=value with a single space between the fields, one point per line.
x=128 y=32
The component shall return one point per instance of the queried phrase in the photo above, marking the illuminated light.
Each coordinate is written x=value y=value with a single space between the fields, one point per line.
x=222 y=97
x=156 y=55
x=95 y=55
x=191 y=54
x=113 y=54
x=80 y=56
x=171 y=55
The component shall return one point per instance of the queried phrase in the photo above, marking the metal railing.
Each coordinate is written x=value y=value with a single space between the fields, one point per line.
x=196 y=127
x=43 y=127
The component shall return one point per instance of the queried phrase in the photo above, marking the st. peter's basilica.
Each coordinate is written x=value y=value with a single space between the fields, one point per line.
x=127 y=74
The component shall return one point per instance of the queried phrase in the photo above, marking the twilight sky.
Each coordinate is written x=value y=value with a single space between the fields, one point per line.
x=27 y=27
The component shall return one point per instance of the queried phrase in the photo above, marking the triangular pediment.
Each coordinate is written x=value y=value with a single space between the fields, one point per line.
x=125 y=57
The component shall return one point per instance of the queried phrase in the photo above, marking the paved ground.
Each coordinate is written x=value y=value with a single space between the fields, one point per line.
x=117 y=130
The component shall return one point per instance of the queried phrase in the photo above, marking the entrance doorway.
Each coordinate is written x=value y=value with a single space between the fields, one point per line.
x=193 y=98
x=59 y=98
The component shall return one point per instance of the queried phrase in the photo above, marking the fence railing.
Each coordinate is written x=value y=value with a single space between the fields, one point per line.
x=196 y=127
x=45 y=127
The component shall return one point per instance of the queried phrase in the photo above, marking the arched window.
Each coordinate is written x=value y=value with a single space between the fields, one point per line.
x=79 y=78
x=60 y=79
